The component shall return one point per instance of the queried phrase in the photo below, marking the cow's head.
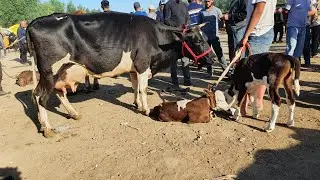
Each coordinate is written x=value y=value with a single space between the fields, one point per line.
x=195 y=46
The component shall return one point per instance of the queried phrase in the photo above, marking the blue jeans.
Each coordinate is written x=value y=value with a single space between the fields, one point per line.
x=295 y=41
x=262 y=43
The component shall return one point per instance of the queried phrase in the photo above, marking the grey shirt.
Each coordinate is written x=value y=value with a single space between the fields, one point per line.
x=211 y=17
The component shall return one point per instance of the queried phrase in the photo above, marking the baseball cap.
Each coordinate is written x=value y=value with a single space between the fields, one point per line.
x=136 y=5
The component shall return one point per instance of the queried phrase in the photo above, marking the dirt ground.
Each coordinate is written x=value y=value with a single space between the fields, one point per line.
x=115 y=141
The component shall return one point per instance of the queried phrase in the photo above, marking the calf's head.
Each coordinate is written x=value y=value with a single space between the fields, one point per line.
x=211 y=97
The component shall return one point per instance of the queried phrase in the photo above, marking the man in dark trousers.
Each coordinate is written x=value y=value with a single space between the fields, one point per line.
x=176 y=14
x=235 y=23
x=23 y=41
x=278 y=25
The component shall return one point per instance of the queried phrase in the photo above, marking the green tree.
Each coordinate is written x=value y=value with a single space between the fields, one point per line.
x=71 y=7
x=57 y=5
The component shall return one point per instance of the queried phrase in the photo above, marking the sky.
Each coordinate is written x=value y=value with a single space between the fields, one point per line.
x=115 y=5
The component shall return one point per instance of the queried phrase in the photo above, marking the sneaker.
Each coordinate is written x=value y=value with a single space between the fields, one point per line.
x=188 y=83
x=280 y=41
x=173 y=88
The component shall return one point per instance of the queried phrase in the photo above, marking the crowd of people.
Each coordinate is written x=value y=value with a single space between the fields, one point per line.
x=257 y=22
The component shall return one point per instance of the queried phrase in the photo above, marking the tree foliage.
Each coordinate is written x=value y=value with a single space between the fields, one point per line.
x=13 y=11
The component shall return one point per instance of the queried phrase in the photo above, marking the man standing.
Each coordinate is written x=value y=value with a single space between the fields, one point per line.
x=278 y=25
x=296 y=26
x=152 y=12
x=259 y=34
x=211 y=15
x=23 y=41
x=315 y=31
x=176 y=14
x=236 y=22
x=105 y=6
x=159 y=13
x=138 y=10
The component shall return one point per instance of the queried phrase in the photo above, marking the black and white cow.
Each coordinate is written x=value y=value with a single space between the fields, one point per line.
x=69 y=47
x=272 y=70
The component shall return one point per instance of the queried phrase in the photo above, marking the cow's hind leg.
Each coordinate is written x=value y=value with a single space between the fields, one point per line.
x=143 y=85
x=275 y=100
x=65 y=102
x=41 y=97
x=135 y=86
x=241 y=95
x=290 y=100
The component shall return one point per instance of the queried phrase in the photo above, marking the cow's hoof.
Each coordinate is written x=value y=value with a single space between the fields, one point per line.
x=290 y=123
x=138 y=106
x=147 y=112
x=75 y=116
x=256 y=116
x=48 y=133
x=269 y=128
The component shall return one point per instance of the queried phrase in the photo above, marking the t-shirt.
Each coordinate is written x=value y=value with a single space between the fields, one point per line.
x=140 y=13
x=211 y=17
x=315 y=19
x=266 y=21
x=194 y=9
x=298 y=12
x=152 y=15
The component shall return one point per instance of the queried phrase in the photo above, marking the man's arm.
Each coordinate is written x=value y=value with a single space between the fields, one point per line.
x=167 y=14
x=254 y=19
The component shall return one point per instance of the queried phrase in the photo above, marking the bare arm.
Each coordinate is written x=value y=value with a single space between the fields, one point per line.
x=254 y=19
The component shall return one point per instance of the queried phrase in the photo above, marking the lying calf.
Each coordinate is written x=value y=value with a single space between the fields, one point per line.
x=25 y=78
x=188 y=111
x=272 y=70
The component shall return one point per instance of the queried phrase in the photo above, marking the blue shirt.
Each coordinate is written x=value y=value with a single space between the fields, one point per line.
x=211 y=17
x=140 y=13
x=298 y=12
x=194 y=9
x=22 y=35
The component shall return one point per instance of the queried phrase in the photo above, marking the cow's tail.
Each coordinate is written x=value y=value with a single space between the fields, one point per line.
x=295 y=65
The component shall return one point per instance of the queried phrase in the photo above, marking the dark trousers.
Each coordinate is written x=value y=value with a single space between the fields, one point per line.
x=185 y=70
x=278 y=28
x=23 y=53
x=215 y=43
x=230 y=42
x=306 y=48
x=315 y=40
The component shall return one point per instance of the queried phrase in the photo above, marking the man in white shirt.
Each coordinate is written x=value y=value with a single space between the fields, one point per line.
x=259 y=34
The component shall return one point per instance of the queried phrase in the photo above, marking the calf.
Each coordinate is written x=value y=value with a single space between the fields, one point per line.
x=187 y=111
x=272 y=70
x=25 y=78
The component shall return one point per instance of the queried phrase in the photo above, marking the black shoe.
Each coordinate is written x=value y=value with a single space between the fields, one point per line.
x=173 y=88
x=188 y=83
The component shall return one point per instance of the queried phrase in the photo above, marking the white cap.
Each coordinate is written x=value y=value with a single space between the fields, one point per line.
x=151 y=6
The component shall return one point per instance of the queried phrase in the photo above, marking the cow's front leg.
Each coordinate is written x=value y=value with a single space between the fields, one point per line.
x=134 y=81
x=240 y=97
x=62 y=96
x=143 y=85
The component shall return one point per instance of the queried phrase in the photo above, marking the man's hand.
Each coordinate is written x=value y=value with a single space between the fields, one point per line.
x=225 y=17
x=243 y=42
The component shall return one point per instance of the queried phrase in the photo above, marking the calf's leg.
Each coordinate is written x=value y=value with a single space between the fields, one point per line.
x=290 y=100
x=275 y=100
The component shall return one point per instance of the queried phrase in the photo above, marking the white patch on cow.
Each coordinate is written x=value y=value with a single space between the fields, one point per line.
x=125 y=65
x=143 y=86
x=43 y=115
x=60 y=18
x=230 y=99
x=57 y=65
x=182 y=104
x=297 y=86
x=274 y=116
